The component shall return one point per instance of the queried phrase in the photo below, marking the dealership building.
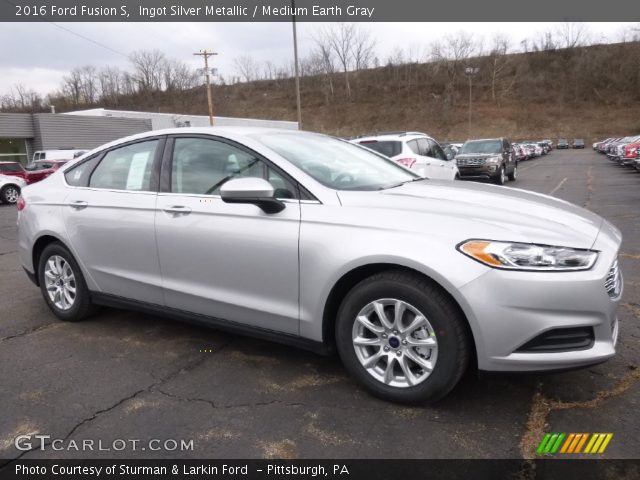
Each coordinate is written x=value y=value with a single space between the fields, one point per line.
x=21 y=134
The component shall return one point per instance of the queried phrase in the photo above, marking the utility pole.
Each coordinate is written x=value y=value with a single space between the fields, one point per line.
x=207 y=73
x=295 y=58
x=470 y=72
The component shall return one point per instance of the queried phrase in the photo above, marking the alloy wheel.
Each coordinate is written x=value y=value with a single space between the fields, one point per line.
x=11 y=194
x=395 y=342
x=60 y=282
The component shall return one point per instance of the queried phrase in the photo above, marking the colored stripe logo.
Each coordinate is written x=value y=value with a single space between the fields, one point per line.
x=553 y=443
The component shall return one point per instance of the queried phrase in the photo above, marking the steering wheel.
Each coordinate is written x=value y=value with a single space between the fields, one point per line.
x=342 y=178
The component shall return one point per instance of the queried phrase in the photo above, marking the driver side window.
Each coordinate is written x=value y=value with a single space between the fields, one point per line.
x=201 y=166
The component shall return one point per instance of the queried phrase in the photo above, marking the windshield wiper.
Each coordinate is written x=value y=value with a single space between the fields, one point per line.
x=394 y=185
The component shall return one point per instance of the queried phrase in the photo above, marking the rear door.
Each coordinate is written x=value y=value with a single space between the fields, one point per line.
x=232 y=262
x=109 y=214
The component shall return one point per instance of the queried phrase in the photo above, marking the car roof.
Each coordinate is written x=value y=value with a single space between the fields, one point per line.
x=392 y=136
x=497 y=139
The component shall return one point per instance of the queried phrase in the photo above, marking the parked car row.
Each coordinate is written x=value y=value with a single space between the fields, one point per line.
x=624 y=151
x=493 y=159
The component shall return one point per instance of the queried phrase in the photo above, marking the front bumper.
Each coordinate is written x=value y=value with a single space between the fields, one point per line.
x=627 y=161
x=480 y=172
x=507 y=309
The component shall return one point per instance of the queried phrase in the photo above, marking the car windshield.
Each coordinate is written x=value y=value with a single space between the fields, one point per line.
x=482 y=146
x=335 y=163
x=387 y=148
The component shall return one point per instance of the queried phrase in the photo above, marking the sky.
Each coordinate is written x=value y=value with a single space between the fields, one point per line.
x=38 y=55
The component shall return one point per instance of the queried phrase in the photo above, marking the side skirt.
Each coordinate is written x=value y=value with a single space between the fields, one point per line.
x=107 y=300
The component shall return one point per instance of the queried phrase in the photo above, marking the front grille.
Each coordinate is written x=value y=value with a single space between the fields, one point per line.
x=613 y=281
x=560 y=340
x=470 y=162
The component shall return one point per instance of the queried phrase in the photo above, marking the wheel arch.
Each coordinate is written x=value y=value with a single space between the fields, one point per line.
x=351 y=278
x=38 y=247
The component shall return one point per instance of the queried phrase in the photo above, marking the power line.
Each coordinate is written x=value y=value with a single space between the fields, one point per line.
x=80 y=35
x=89 y=39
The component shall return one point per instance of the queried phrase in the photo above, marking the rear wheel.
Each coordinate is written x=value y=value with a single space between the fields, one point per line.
x=402 y=338
x=62 y=284
x=514 y=175
x=9 y=194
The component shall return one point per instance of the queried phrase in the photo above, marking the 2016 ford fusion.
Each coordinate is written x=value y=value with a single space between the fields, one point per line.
x=313 y=241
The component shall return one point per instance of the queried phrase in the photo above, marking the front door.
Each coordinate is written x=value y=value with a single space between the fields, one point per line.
x=228 y=261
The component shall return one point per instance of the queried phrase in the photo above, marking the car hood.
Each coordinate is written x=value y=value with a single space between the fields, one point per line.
x=477 y=210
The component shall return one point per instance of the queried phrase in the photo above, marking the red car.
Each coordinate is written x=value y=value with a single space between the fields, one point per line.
x=14 y=169
x=41 y=169
x=34 y=172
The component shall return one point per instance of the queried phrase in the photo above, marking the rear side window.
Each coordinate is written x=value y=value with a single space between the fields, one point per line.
x=11 y=167
x=126 y=168
x=386 y=148
x=78 y=176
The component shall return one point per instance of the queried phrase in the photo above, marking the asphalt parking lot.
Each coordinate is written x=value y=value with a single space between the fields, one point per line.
x=123 y=375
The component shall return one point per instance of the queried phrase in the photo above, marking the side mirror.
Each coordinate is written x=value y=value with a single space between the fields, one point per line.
x=253 y=190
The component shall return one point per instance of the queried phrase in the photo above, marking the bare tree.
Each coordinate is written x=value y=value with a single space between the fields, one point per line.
x=363 y=48
x=177 y=75
x=109 y=79
x=147 y=69
x=247 y=67
x=572 y=34
x=88 y=84
x=340 y=39
x=499 y=60
x=452 y=53
x=72 y=85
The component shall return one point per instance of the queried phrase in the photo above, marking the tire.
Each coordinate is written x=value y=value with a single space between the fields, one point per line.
x=514 y=174
x=80 y=307
x=500 y=178
x=445 y=325
x=9 y=194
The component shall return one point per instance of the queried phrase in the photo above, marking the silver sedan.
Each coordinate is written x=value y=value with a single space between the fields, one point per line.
x=309 y=240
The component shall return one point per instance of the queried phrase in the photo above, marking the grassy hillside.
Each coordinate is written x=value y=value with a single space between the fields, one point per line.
x=589 y=92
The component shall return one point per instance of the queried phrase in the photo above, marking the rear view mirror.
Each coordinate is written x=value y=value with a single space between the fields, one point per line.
x=253 y=190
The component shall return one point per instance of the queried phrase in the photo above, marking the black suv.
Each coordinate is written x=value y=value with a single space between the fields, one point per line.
x=488 y=159
x=578 y=143
x=562 y=143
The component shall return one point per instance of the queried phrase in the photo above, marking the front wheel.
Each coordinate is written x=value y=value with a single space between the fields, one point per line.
x=402 y=338
x=9 y=194
x=500 y=177
x=62 y=284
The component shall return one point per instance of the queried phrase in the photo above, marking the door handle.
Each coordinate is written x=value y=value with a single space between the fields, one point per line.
x=177 y=210
x=79 y=204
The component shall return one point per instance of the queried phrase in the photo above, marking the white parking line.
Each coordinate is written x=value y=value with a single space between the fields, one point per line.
x=558 y=186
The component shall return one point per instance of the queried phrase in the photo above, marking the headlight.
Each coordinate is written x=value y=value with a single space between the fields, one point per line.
x=493 y=160
x=528 y=256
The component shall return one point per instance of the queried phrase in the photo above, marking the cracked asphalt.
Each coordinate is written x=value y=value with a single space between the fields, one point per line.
x=124 y=375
